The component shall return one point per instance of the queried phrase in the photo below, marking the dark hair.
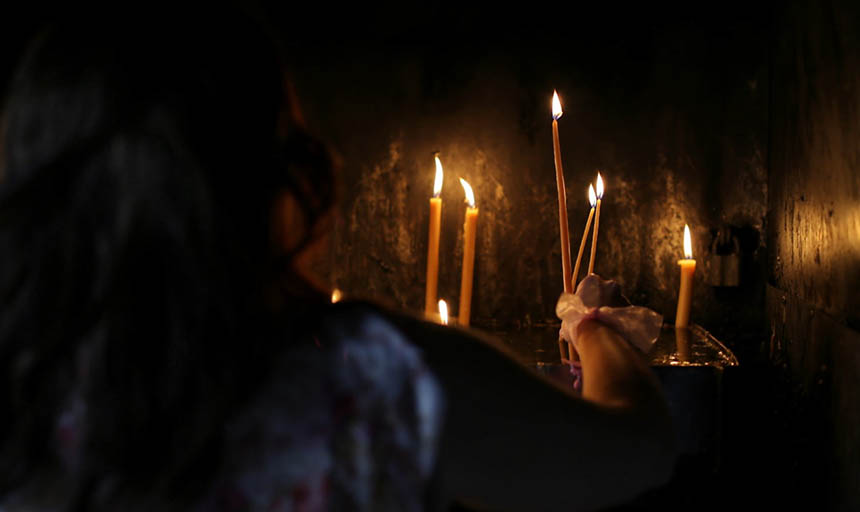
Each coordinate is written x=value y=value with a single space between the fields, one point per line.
x=142 y=162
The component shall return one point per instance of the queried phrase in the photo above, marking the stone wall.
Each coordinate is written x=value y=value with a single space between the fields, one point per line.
x=672 y=110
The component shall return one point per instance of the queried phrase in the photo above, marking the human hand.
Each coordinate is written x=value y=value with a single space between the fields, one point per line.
x=602 y=301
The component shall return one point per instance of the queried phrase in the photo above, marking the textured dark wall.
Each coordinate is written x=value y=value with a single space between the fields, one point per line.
x=814 y=225
x=815 y=184
x=673 y=110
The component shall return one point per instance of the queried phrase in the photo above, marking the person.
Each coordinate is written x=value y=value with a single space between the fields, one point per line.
x=162 y=348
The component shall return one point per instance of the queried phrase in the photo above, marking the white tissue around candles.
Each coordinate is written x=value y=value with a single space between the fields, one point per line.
x=603 y=301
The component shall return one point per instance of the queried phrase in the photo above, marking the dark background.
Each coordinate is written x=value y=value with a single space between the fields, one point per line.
x=714 y=114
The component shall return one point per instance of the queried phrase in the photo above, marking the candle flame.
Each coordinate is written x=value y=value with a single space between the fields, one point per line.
x=443 y=311
x=688 y=244
x=470 y=196
x=336 y=295
x=592 y=198
x=599 y=186
x=556 y=106
x=437 y=185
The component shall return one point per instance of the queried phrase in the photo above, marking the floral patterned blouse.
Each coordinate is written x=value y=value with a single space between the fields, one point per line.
x=350 y=424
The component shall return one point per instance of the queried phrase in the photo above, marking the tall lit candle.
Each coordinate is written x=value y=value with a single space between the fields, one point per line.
x=685 y=294
x=469 y=230
x=592 y=199
x=443 y=312
x=596 y=225
x=431 y=287
x=562 y=196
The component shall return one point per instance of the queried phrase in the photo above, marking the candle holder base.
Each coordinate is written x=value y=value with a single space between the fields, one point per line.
x=689 y=363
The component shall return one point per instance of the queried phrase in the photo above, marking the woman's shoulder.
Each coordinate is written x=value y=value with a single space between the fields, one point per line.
x=349 y=420
x=365 y=344
x=354 y=350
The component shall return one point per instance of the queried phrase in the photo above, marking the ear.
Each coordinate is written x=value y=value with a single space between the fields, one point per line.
x=289 y=225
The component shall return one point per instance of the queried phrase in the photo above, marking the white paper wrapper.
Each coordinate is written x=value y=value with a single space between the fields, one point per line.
x=602 y=301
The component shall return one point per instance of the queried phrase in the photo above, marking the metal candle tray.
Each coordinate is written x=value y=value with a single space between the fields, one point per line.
x=689 y=363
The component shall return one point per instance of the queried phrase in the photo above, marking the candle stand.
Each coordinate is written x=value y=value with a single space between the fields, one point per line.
x=689 y=362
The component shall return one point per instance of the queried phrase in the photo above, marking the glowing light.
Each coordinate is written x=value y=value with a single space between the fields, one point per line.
x=443 y=311
x=437 y=185
x=688 y=244
x=599 y=186
x=336 y=295
x=556 y=106
x=470 y=196
x=592 y=198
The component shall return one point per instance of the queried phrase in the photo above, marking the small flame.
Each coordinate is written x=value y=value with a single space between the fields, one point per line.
x=437 y=185
x=599 y=186
x=556 y=106
x=591 y=197
x=336 y=295
x=470 y=196
x=688 y=244
x=443 y=311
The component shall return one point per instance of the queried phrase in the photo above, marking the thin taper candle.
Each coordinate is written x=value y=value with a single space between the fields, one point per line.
x=592 y=199
x=431 y=286
x=470 y=226
x=596 y=225
x=564 y=232
x=685 y=293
